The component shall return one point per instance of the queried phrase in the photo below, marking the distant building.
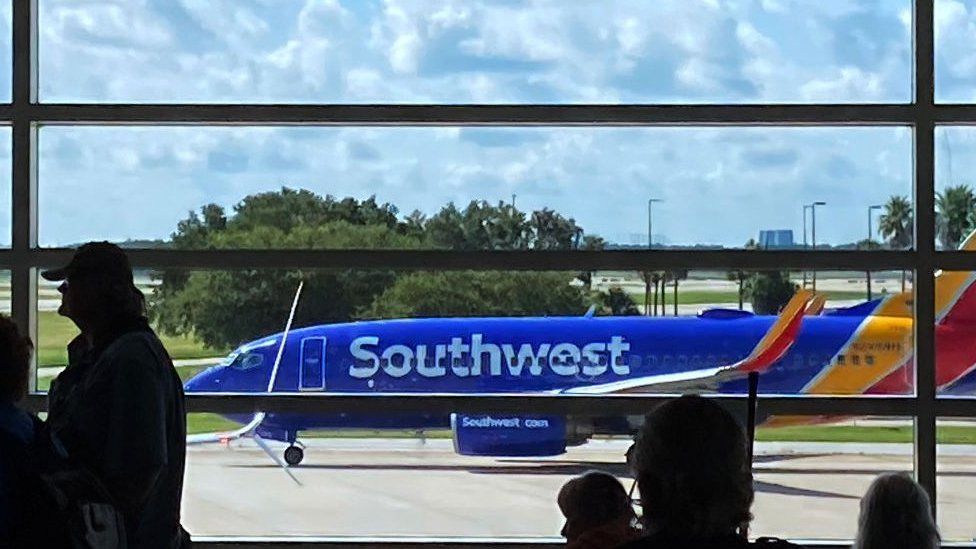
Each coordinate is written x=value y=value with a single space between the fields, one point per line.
x=772 y=239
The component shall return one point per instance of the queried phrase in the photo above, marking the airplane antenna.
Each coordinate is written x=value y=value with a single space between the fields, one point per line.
x=284 y=338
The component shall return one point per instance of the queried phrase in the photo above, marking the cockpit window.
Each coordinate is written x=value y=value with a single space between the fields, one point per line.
x=247 y=361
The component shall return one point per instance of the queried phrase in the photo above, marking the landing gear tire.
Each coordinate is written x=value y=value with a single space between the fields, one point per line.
x=294 y=455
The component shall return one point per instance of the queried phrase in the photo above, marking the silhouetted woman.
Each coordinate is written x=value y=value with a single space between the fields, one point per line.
x=895 y=514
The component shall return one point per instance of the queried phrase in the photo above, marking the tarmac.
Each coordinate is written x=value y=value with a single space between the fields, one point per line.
x=414 y=488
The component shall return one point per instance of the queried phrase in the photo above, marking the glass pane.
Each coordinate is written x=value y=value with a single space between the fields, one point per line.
x=456 y=187
x=955 y=201
x=820 y=472
x=496 y=331
x=957 y=478
x=5 y=187
x=955 y=54
x=420 y=481
x=352 y=51
x=6 y=58
x=955 y=300
x=54 y=332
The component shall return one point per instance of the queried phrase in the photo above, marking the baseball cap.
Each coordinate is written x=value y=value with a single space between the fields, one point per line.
x=95 y=260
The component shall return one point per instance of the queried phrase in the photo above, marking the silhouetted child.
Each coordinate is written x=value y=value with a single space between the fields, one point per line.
x=16 y=430
x=598 y=512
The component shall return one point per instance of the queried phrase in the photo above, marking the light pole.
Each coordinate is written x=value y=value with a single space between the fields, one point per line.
x=805 y=208
x=813 y=234
x=870 y=236
x=650 y=220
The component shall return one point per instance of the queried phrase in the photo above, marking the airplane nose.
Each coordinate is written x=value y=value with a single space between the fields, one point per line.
x=207 y=380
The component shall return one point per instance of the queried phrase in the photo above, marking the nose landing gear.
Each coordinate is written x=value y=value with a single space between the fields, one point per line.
x=294 y=455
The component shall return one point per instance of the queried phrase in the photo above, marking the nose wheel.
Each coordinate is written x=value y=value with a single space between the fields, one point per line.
x=294 y=455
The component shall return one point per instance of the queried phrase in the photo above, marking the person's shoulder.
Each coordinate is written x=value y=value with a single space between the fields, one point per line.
x=138 y=345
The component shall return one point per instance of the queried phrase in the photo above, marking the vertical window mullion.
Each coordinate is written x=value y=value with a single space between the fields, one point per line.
x=23 y=153
x=924 y=142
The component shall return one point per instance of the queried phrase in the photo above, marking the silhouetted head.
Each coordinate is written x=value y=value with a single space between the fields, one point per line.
x=15 y=353
x=895 y=514
x=97 y=286
x=693 y=470
x=592 y=500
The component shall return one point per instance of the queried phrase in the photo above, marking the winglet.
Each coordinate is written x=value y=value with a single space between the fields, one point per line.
x=780 y=336
x=816 y=305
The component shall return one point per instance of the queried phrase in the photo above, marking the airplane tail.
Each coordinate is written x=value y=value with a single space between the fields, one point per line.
x=816 y=306
x=780 y=336
x=955 y=291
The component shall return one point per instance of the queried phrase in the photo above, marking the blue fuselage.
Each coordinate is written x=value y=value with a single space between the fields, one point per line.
x=506 y=355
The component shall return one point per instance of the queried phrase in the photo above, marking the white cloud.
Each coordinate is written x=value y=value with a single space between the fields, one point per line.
x=482 y=52
x=848 y=82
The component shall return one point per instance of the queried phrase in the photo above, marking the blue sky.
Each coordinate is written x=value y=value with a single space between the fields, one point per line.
x=720 y=185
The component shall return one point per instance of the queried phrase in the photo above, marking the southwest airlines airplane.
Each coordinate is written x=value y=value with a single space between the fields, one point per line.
x=805 y=350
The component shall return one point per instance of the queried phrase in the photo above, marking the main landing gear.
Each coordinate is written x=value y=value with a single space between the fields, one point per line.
x=294 y=455
x=295 y=452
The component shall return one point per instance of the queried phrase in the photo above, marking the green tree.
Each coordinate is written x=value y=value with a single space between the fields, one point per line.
x=954 y=211
x=677 y=276
x=897 y=222
x=740 y=277
x=650 y=278
x=480 y=226
x=454 y=293
x=226 y=307
x=551 y=231
x=896 y=225
x=290 y=208
x=617 y=302
x=590 y=243
x=769 y=292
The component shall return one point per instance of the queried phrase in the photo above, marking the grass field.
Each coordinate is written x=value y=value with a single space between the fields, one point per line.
x=55 y=331
x=946 y=434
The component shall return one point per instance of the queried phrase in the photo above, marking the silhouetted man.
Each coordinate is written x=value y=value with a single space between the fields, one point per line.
x=118 y=406
x=695 y=478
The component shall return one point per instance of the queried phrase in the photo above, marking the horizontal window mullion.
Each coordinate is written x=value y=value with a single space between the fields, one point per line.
x=490 y=260
x=603 y=405
x=502 y=115
x=267 y=542
x=955 y=407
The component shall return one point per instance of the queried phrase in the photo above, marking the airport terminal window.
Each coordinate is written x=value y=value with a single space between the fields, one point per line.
x=954 y=51
x=955 y=477
x=704 y=130
x=523 y=188
x=368 y=51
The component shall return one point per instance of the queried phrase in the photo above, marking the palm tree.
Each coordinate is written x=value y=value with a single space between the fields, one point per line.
x=646 y=277
x=675 y=277
x=665 y=278
x=896 y=224
x=954 y=206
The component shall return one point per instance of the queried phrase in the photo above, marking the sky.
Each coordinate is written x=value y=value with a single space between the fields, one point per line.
x=719 y=186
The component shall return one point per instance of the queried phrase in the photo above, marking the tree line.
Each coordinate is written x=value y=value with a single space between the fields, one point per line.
x=224 y=308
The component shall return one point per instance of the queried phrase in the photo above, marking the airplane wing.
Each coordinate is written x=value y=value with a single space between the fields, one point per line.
x=770 y=348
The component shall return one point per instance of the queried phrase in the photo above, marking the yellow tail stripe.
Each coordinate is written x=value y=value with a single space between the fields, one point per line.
x=881 y=344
